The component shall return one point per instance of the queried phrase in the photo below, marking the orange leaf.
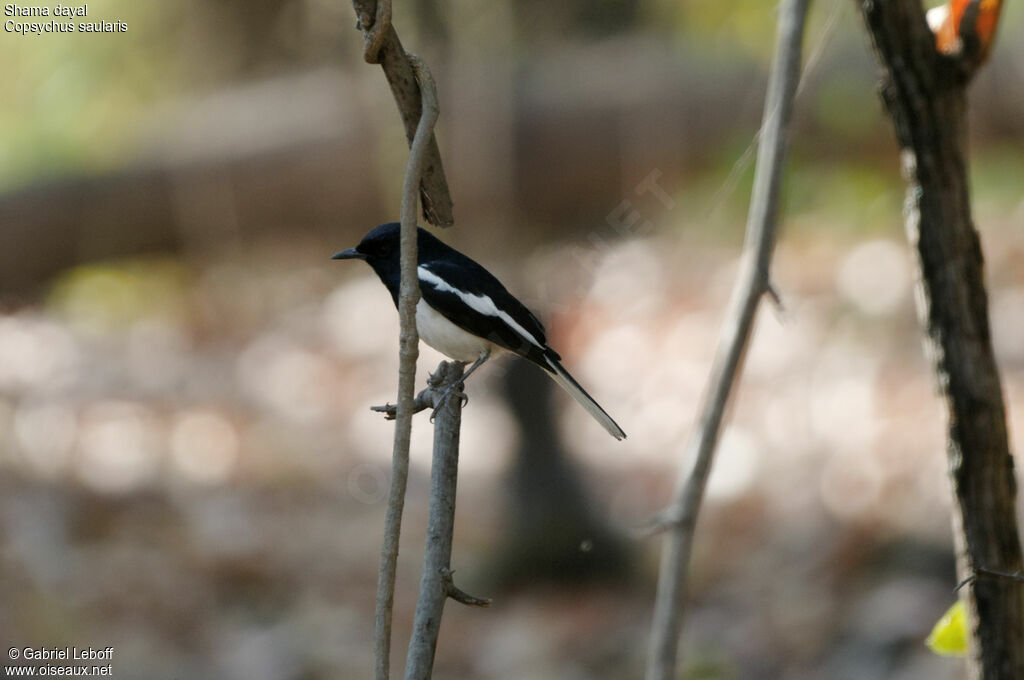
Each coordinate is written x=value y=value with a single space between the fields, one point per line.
x=945 y=23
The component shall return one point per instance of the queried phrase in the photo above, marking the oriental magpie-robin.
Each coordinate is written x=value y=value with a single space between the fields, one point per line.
x=465 y=313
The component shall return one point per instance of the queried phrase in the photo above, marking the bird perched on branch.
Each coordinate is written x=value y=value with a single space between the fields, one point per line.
x=465 y=313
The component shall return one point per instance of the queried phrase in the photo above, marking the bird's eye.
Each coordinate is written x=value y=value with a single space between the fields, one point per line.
x=380 y=249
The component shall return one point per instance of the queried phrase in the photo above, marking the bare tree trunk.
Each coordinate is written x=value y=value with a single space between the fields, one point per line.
x=925 y=94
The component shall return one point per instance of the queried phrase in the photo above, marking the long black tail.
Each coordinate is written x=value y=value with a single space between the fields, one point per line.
x=569 y=384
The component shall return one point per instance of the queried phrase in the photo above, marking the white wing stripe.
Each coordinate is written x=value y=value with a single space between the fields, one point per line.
x=480 y=303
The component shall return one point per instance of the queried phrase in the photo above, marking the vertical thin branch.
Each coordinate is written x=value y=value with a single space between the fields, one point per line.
x=409 y=295
x=752 y=284
x=436 y=579
x=925 y=94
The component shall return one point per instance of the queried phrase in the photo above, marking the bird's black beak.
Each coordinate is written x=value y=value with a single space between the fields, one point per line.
x=350 y=254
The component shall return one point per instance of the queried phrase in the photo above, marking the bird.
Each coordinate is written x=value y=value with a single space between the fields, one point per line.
x=465 y=313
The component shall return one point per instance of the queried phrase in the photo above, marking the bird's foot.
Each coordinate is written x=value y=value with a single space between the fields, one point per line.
x=453 y=390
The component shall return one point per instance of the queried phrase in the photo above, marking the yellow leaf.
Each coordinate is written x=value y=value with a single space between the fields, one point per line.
x=949 y=636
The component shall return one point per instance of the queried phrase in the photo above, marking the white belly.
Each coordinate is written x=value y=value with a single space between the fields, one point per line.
x=446 y=337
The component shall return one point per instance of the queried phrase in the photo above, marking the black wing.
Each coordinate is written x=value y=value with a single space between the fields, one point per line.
x=471 y=298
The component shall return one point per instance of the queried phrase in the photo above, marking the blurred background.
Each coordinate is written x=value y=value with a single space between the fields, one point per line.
x=192 y=475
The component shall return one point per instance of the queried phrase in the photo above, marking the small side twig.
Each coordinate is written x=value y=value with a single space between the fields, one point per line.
x=382 y=46
x=409 y=295
x=1017 y=576
x=390 y=411
x=459 y=595
x=752 y=284
x=774 y=296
